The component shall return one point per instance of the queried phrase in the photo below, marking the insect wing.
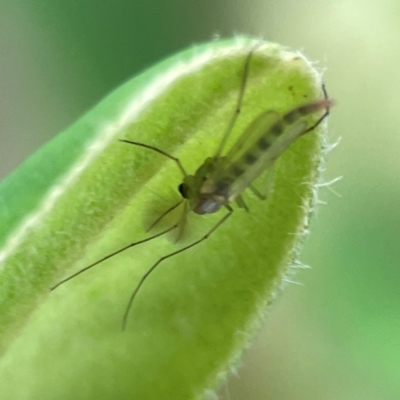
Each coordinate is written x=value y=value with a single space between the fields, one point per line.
x=246 y=143
x=250 y=136
x=268 y=157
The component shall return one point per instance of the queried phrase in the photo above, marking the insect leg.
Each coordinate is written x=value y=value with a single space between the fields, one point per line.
x=241 y=203
x=239 y=101
x=154 y=266
x=257 y=192
x=182 y=222
x=178 y=162
x=267 y=184
x=163 y=215
x=326 y=113
x=112 y=255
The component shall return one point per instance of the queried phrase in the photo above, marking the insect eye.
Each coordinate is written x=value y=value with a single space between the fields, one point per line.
x=182 y=188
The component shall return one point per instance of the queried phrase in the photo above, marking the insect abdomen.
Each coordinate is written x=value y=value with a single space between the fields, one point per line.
x=274 y=132
x=273 y=141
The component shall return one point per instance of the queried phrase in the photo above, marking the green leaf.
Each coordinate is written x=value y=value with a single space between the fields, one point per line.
x=85 y=195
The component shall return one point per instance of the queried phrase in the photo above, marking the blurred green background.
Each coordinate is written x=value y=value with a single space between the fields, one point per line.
x=337 y=335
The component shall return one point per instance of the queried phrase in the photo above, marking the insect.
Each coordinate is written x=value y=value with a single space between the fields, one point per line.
x=221 y=179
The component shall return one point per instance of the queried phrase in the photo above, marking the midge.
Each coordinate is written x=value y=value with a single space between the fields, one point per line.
x=221 y=179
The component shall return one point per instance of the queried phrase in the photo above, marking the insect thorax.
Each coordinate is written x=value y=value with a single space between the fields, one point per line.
x=201 y=191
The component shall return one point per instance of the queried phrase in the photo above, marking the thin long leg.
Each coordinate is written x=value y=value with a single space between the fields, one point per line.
x=241 y=203
x=257 y=192
x=178 y=162
x=112 y=255
x=239 y=101
x=182 y=222
x=326 y=113
x=154 y=266
x=164 y=214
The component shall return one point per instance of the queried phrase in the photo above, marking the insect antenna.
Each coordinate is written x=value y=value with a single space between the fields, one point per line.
x=160 y=260
x=114 y=254
x=146 y=146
